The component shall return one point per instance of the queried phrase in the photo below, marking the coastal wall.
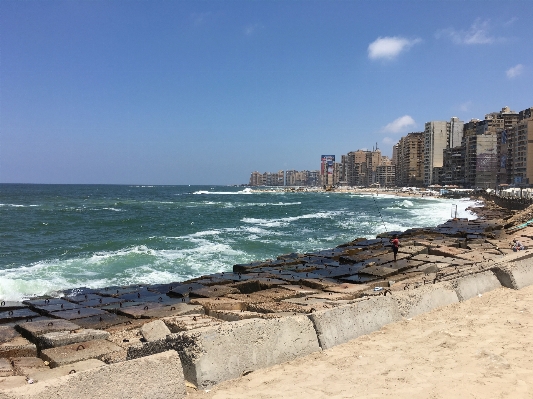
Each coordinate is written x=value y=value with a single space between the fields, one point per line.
x=274 y=320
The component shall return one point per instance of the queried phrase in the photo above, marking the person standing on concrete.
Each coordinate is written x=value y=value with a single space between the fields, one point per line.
x=395 y=245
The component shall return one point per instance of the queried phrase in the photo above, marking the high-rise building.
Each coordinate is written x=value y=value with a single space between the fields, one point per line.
x=410 y=160
x=519 y=139
x=386 y=175
x=256 y=179
x=435 y=141
x=327 y=167
x=438 y=136
x=484 y=152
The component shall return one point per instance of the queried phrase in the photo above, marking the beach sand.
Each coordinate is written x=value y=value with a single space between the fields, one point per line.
x=481 y=348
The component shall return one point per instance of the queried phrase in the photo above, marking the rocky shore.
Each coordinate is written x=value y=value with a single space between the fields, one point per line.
x=218 y=327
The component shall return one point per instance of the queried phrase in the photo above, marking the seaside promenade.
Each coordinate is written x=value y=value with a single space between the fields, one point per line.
x=295 y=309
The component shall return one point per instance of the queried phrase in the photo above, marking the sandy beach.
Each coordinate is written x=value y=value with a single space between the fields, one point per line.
x=481 y=348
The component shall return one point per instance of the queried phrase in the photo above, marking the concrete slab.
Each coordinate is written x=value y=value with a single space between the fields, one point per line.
x=344 y=323
x=258 y=284
x=359 y=279
x=320 y=284
x=158 y=376
x=77 y=352
x=183 y=289
x=78 y=313
x=431 y=258
x=33 y=330
x=7 y=333
x=411 y=303
x=276 y=307
x=301 y=290
x=154 y=330
x=57 y=305
x=469 y=286
x=516 y=275
x=219 y=304
x=42 y=374
x=62 y=338
x=175 y=310
x=102 y=321
x=6 y=369
x=214 y=354
x=378 y=271
x=17 y=347
x=189 y=322
x=347 y=288
x=273 y=294
x=23 y=365
x=10 y=305
x=16 y=314
x=213 y=291
x=233 y=315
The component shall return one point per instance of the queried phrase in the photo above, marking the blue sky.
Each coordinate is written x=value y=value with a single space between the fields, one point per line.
x=205 y=92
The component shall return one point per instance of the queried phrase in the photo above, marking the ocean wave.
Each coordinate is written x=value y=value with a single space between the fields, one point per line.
x=204 y=192
x=277 y=222
x=18 y=205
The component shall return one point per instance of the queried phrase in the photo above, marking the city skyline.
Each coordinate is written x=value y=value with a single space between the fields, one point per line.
x=192 y=92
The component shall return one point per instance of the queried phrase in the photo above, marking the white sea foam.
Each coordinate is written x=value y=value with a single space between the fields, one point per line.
x=204 y=192
x=278 y=222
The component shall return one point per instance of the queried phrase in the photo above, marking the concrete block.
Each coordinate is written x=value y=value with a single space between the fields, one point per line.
x=235 y=315
x=425 y=298
x=78 y=313
x=515 y=275
x=154 y=330
x=102 y=322
x=154 y=377
x=469 y=286
x=344 y=323
x=17 y=314
x=275 y=307
x=6 y=369
x=213 y=291
x=12 y=344
x=33 y=330
x=22 y=365
x=77 y=352
x=188 y=322
x=214 y=354
x=156 y=310
x=62 y=338
x=219 y=304
x=45 y=373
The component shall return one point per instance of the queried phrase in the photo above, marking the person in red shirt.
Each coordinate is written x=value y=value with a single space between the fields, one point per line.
x=395 y=245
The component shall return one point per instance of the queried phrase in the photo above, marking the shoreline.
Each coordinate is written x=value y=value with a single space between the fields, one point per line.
x=294 y=288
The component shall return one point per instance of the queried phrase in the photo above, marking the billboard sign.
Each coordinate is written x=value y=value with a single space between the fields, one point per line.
x=327 y=164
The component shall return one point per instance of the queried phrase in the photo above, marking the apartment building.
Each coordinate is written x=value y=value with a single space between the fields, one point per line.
x=519 y=141
x=435 y=142
x=410 y=160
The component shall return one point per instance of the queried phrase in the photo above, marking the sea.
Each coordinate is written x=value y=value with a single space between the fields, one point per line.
x=60 y=237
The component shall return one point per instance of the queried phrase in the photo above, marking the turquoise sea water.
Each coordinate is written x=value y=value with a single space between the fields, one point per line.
x=55 y=237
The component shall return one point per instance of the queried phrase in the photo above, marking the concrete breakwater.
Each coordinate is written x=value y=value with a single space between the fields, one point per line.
x=222 y=326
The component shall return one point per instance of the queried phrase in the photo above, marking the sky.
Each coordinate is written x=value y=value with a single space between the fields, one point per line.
x=206 y=92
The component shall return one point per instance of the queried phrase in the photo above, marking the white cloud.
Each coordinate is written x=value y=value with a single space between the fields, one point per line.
x=400 y=125
x=515 y=71
x=477 y=34
x=389 y=47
